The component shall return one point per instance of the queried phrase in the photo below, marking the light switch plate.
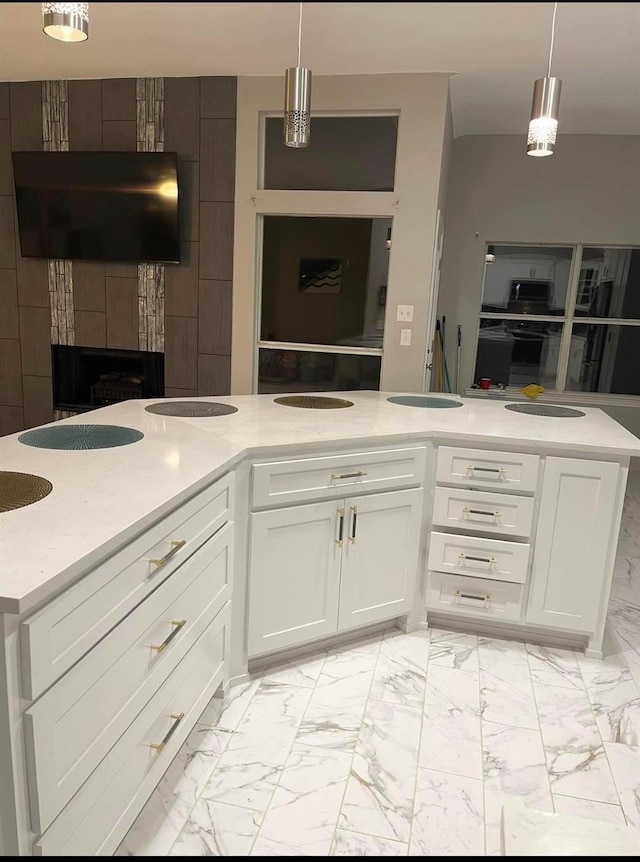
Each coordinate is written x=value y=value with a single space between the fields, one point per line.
x=405 y=338
x=405 y=313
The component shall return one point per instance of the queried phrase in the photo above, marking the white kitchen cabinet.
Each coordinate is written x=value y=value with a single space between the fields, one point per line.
x=380 y=557
x=578 y=510
x=325 y=567
x=295 y=575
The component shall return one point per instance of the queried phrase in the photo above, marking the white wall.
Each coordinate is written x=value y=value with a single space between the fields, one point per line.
x=421 y=101
x=588 y=192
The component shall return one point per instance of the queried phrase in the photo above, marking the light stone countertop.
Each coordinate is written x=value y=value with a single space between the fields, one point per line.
x=103 y=498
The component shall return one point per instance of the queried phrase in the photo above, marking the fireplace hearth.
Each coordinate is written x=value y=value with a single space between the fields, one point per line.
x=85 y=378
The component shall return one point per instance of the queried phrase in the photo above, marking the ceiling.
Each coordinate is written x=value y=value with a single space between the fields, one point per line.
x=494 y=51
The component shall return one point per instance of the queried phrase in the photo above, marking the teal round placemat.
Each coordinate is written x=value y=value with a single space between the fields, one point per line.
x=424 y=401
x=80 y=437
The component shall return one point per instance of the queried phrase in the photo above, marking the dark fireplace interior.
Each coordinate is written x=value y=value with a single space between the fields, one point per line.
x=85 y=378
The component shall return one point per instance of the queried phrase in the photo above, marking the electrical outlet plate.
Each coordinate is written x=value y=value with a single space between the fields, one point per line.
x=405 y=313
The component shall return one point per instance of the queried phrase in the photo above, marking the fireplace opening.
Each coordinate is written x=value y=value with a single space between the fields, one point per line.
x=85 y=378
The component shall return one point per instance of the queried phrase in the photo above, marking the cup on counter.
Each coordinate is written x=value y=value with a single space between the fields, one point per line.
x=485 y=382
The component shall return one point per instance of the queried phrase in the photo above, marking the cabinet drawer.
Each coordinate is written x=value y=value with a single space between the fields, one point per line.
x=503 y=514
x=479 y=558
x=98 y=817
x=54 y=638
x=281 y=483
x=483 y=469
x=473 y=596
x=73 y=725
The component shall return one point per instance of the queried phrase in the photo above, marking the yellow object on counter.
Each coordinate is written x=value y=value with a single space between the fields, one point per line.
x=532 y=390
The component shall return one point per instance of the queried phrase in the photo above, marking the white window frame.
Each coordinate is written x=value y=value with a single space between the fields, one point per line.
x=567 y=320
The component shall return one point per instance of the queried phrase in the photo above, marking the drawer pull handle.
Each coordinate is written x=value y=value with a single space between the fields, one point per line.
x=354 y=524
x=468 y=511
x=490 y=560
x=158 y=746
x=357 y=475
x=472 y=468
x=165 y=643
x=175 y=547
x=460 y=595
x=340 y=528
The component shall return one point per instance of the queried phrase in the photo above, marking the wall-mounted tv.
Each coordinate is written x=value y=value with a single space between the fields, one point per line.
x=98 y=205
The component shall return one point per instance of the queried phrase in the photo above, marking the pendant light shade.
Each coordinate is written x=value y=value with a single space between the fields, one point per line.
x=68 y=22
x=544 y=117
x=297 y=100
x=545 y=107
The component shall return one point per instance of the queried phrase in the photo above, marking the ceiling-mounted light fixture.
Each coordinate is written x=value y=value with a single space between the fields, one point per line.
x=490 y=256
x=68 y=22
x=545 y=107
x=297 y=100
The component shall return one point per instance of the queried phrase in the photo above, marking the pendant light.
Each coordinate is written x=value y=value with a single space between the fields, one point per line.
x=545 y=107
x=297 y=100
x=68 y=22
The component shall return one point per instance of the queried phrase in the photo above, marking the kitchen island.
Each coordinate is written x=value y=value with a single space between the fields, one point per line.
x=153 y=572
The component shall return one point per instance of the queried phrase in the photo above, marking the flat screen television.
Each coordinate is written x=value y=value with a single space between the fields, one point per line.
x=98 y=206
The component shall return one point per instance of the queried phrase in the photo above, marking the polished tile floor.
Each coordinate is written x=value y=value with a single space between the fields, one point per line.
x=409 y=744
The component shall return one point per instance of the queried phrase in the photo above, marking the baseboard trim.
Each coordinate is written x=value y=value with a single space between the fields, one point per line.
x=505 y=631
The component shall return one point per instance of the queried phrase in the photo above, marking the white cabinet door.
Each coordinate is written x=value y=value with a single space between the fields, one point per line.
x=577 y=510
x=380 y=557
x=295 y=576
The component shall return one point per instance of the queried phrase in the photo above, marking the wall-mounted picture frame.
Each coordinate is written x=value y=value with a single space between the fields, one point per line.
x=320 y=275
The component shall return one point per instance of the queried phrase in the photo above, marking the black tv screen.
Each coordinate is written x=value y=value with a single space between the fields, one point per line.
x=98 y=206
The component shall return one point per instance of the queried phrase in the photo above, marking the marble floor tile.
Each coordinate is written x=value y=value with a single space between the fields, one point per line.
x=514 y=765
x=448 y=816
x=227 y=714
x=625 y=766
x=551 y=666
x=168 y=807
x=454 y=650
x=575 y=756
x=332 y=727
x=380 y=791
x=303 y=813
x=248 y=784
x=217 y=829
x=302 y=672
x=451 y=740
x=357 y=844
x=588 y=808
x=401 y=669
x=506 y=691
x=615 y=699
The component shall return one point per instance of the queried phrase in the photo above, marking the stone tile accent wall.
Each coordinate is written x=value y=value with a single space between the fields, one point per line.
x=150 y=139
x=185 y=309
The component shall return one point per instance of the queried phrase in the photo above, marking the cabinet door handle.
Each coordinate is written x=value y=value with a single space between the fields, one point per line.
x=489 y=560
x=158 y=746
x=354 y=524
x=471 y=468
x=340 y=527
x=460 y=595
x=175 y=547
x=178 y=624
x=357 y=475
x=468 y=511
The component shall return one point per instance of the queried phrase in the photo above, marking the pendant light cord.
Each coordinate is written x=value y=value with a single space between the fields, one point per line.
x=553 y=36
x=300 y=33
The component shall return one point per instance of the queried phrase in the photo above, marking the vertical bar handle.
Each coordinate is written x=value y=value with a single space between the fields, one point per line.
x=354 y=524
x=340 y=527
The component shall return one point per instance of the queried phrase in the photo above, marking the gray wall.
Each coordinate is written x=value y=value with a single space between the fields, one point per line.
x=200 y=126
x=588 y=191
